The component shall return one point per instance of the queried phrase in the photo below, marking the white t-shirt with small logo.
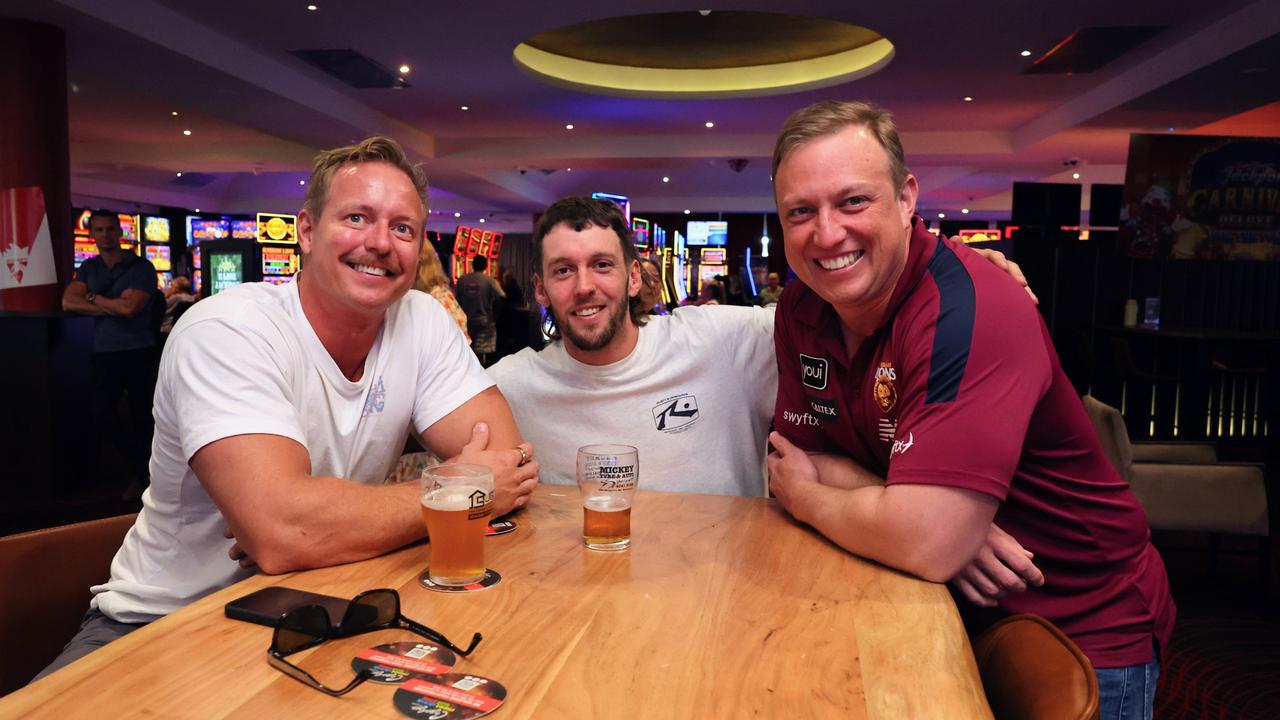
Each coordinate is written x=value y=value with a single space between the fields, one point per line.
x=695 y=397
x=247 y=361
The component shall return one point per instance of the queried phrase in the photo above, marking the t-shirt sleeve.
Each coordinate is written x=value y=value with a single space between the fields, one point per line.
x=749 y=337
x=449 y=372
x=969 y=390
x=792 y=416
x=227 y=377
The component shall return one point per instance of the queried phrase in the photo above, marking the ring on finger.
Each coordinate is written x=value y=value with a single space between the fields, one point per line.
x=524 y=456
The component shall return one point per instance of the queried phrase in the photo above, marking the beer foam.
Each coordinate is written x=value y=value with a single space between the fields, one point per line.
x=613 y=502
x=453 y=497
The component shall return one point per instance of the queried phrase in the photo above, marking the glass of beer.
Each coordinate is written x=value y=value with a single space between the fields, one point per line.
x=456 y=502
x=607 y=476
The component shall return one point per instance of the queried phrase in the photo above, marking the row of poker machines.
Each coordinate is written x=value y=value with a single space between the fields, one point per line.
x=216 y=253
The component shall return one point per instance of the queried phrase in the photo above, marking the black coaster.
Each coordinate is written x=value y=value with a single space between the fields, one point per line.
x=453 y=695
x=491 y=578
x=500 y=527
x=394 y=663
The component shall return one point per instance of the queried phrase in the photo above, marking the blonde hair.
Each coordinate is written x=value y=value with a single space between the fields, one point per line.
x=430 y=271
x=374 y=149
x=832 y=116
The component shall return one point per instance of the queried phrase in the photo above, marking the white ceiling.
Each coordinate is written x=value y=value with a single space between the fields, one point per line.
x=258 y=114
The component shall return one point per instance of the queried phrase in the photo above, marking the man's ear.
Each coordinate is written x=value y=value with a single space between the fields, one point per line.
x=305 y=226
x=907 y=197
x=635 y=280
x=539 y=292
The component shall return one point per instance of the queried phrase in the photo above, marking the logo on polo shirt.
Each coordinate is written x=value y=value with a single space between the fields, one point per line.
x=902 y=446
x=813 y=372
x=886 y=393
x=676 y=414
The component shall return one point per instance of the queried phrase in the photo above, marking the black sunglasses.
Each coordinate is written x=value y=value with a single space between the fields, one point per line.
x=309 y=625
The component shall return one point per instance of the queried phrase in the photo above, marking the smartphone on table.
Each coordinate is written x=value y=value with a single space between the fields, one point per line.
x=265 y=606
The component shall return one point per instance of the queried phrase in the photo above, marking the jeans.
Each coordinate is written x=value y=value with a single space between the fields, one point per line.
x=96 y=630
x=1127 y=693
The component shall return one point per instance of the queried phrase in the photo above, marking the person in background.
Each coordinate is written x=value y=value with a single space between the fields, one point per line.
x=431 y=280
x=711 y=292
x=923 y=418
x=651 y=290
x=177 y=294
x=479 y=294
x=118 y=289
x=772 y=290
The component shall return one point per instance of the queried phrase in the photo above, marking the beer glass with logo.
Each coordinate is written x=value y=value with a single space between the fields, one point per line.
x=456 y=502
x=607 y=476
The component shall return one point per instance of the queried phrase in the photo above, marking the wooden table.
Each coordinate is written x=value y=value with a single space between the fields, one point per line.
x=723 y=607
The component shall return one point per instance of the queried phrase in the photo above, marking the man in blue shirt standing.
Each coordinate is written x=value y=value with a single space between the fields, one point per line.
x=118 y=287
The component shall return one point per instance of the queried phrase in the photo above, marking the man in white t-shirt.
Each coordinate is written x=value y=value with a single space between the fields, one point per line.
x=693 y=391
x=280 y=410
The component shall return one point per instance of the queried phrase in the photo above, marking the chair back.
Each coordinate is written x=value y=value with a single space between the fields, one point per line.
x=1032 y=671
x=46 y=593
x=1112 y=433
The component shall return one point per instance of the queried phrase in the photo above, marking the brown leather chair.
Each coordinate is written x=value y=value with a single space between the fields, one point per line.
x=1032 y=671
x=46 y=590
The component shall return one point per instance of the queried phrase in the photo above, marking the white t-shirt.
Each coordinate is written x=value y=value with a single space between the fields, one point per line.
x=247 y=361
x=695 y=397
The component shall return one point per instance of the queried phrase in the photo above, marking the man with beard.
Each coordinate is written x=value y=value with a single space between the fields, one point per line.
x=699 y=383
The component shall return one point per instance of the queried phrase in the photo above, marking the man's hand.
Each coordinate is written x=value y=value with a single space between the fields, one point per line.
x=998 y=259
x=237 y=552
x=1001 y=567
x=791 y=471
x=515 y=473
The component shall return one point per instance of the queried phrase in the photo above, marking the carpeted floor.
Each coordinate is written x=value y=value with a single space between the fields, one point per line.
x=1224 y=660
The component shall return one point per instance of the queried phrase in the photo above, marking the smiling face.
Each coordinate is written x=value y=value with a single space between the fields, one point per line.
x=361 y=252
x=586 y=285
x=845 y=226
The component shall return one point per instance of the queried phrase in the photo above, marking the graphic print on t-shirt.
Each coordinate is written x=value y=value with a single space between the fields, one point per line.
x=676 y=414
x=376 y=401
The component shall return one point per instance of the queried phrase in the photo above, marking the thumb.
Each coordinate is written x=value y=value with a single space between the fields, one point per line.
x=479 y=437
x=782 y=445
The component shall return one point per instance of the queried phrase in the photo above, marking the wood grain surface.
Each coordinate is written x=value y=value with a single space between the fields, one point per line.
x=723 y=607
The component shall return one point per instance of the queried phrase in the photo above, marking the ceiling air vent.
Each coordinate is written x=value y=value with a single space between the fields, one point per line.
x=192 y=180
x=1088 y=49
x=352 y=68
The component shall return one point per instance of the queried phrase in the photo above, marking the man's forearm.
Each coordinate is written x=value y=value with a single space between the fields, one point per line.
x=839 y=471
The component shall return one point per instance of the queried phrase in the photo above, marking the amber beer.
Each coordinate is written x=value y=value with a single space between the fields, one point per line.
x=456 y=505
x=607 y=477
x=606 y=523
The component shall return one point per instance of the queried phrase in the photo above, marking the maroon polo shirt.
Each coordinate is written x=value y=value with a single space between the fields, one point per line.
x=961 y=387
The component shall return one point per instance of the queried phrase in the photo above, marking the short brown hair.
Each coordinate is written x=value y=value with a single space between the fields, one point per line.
x=832 y=116
x=579 y=213
x=375 y=149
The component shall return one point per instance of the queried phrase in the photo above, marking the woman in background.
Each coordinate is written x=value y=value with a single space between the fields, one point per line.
x=431 y=280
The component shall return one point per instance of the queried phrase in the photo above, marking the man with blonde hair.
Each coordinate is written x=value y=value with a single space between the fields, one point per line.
x=905 y=356
x=280 y=410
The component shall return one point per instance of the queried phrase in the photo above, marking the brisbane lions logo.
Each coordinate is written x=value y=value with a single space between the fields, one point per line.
x=886 y=392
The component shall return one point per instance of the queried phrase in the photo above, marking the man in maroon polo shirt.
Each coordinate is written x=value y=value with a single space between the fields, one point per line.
x=905 y=357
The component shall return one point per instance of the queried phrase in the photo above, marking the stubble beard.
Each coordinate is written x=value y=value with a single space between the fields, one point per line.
x=606 y=335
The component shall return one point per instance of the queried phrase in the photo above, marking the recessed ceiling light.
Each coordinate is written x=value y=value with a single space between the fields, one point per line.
x=179 y=174
x=312 y=8
x=302 y=182
x=465 y=107
x=1075 y=176
x=186 y=132
x=457 y=214
x=666 y=179
x=404 y=69
x=686 y=212
x=710 y=124
x=942 y=215
x=481 y=219
x=174 y=113
x=197 y=209
x=568 y=126
x=568 y=169
x=1025 y=53
x=964 y=211
x=968 y=98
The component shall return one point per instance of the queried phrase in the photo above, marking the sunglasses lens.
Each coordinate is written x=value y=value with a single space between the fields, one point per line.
x=373 y=609
x=300 y=629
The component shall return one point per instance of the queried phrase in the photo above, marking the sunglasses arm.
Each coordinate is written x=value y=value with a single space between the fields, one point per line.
x=425 y=631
